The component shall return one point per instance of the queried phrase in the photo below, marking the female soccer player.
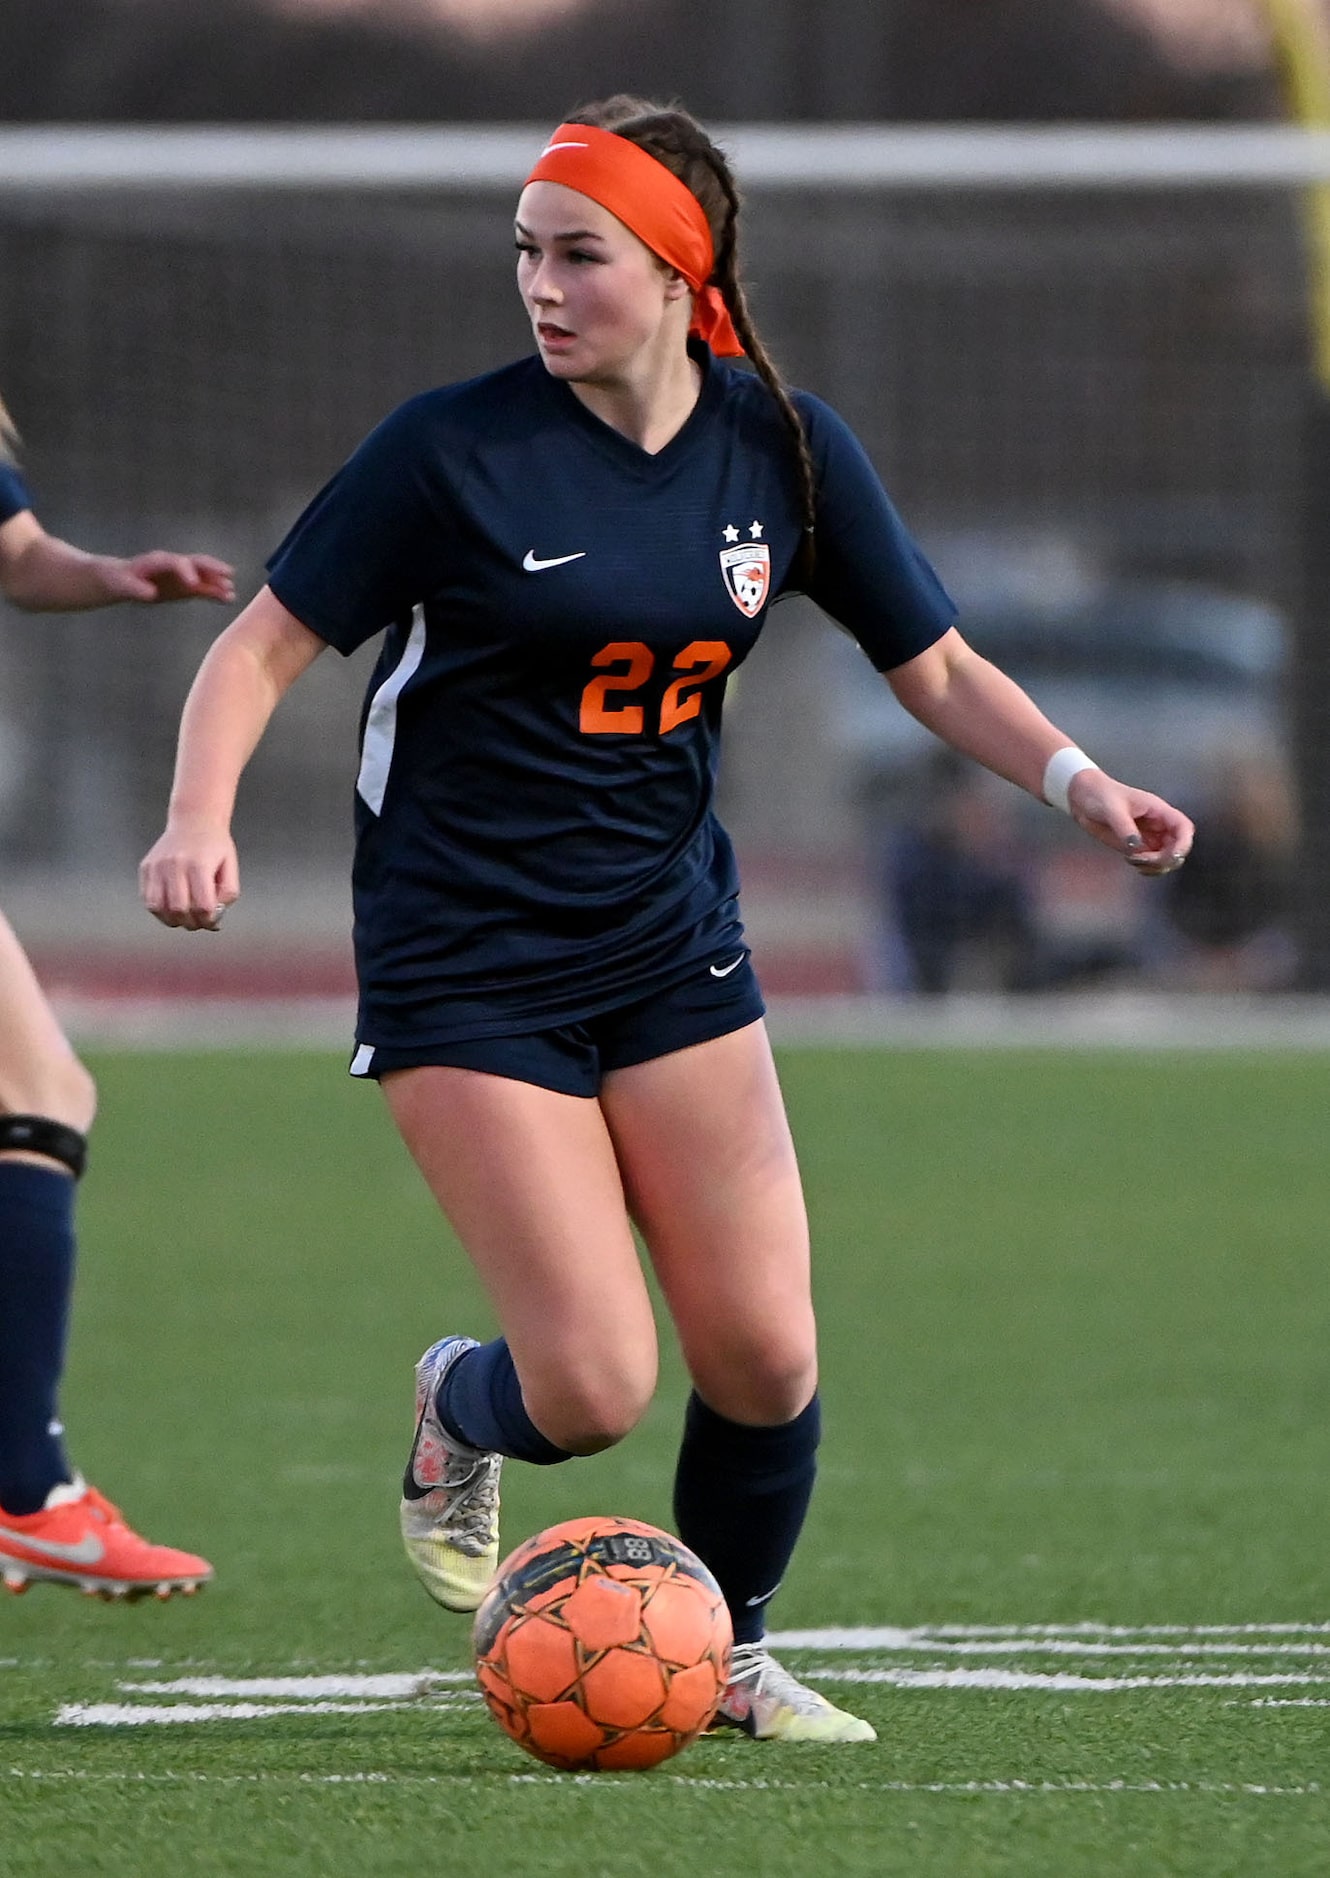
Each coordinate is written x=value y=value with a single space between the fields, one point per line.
x=52 y=1524
x=569 y=557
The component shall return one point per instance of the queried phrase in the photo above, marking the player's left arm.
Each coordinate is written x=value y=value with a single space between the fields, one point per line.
x=973 y=706
x=42 y=574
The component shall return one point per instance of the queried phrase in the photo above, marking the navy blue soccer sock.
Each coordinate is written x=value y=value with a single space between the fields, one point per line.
x=480 y=1402
x=740 y=1497
x=36 y=1278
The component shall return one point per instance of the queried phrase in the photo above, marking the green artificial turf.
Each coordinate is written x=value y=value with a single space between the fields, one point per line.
x=1074 y=1320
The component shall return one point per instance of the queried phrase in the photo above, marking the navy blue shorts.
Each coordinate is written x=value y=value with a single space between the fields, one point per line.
x=572 y=1058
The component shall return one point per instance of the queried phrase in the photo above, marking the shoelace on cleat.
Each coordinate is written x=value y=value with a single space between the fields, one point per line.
x=751 y=1664
x=469 y=1519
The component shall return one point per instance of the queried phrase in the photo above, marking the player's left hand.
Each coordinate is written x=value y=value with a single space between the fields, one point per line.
x=1149 y=833
x=160 y=575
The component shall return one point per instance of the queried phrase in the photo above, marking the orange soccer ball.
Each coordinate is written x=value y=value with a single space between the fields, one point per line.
x=603 y=1643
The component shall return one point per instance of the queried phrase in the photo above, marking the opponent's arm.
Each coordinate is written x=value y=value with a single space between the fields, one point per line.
x=45 y=575
x=978 y=710
x=191 y=873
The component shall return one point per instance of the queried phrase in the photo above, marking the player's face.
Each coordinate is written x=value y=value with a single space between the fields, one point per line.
x=597 y=297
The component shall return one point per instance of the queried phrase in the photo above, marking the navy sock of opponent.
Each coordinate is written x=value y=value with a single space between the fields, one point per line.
x=481 y=1403
x=36 y=1278
x=740 y=1497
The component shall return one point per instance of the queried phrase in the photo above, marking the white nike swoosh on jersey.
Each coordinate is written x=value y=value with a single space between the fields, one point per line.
x=723 y=971
x=534 y=566
x=87 y=1552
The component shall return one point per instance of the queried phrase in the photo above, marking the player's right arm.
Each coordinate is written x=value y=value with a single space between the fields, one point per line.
x=42 y=574
x=191 y=873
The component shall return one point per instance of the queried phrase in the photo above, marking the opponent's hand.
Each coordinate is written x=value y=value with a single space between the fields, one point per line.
x=160 y=575
x=1150 y=834
x=190 y=876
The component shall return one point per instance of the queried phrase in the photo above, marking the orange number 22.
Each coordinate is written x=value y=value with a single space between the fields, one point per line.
x=682 y=699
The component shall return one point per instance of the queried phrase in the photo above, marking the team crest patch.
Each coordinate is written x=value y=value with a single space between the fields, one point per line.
x=747 y=572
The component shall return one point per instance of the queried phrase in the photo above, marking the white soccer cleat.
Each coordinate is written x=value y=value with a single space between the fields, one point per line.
x=450 y=1496
x=770 y=1704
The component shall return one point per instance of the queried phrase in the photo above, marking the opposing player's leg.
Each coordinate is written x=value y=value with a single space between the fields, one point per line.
x=527 y=1178
x=706 y=1158
x=39 y=1071
x=53 y=1526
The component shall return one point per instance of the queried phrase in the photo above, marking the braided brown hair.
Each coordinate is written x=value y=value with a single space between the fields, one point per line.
x=8 y=436
x=677 y=140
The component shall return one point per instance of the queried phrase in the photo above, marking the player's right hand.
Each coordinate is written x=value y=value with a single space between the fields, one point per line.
x=162 y=575
x=190 y=876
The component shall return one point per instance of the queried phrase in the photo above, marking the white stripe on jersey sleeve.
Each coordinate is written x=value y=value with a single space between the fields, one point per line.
x=376 y=752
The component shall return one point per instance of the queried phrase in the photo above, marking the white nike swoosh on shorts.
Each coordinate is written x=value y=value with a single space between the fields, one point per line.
x=723 y=971
x=87 y=1552
x=533 y=565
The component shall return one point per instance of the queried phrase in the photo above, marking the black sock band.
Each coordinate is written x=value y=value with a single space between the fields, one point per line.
x=37 y=1134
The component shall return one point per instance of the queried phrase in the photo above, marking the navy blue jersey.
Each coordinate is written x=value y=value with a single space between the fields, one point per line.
x=535 y=836
x=14 y=497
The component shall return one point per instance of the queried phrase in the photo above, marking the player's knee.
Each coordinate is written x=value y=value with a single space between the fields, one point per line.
x=586 y=1414
x=61 y=1090
x=765 y=1383
x=774 y=1396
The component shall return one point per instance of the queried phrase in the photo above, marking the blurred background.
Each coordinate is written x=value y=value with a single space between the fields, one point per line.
x=1096 y=401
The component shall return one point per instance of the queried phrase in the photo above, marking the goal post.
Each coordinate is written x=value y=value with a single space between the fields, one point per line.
x=840 y=157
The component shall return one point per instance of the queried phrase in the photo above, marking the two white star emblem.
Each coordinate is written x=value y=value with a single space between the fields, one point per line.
x=732 y=533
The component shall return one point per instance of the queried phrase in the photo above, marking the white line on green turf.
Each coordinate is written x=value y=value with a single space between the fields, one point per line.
x=612 y=1783
x=1060 y=1681
x=264 y=1696
x=889 y=1637
x=136 y=1715
x=311 y=1688
x=1059 y=1646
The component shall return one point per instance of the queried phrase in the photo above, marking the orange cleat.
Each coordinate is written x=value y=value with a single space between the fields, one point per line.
x=80 y=1539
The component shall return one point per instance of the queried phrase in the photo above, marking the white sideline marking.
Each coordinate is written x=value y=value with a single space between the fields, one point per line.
x=1174 y=1648
x=601 y=1783
x=270 y=1695
x=935 y=1643
x=887 y=1637
x=139 y=1715
x=306 y=1688
x=1289 y=1701
x=1139 y=1022
x=1062 y=1681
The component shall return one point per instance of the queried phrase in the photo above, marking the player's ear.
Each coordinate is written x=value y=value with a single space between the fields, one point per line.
x=676 y=287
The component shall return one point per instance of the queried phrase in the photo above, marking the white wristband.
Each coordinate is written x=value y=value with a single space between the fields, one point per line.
x=1062 y=766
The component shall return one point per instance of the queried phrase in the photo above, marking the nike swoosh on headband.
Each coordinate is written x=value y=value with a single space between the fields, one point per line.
x=87 y=1552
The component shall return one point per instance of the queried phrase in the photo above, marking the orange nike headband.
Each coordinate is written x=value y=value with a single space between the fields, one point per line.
x=660 y=210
